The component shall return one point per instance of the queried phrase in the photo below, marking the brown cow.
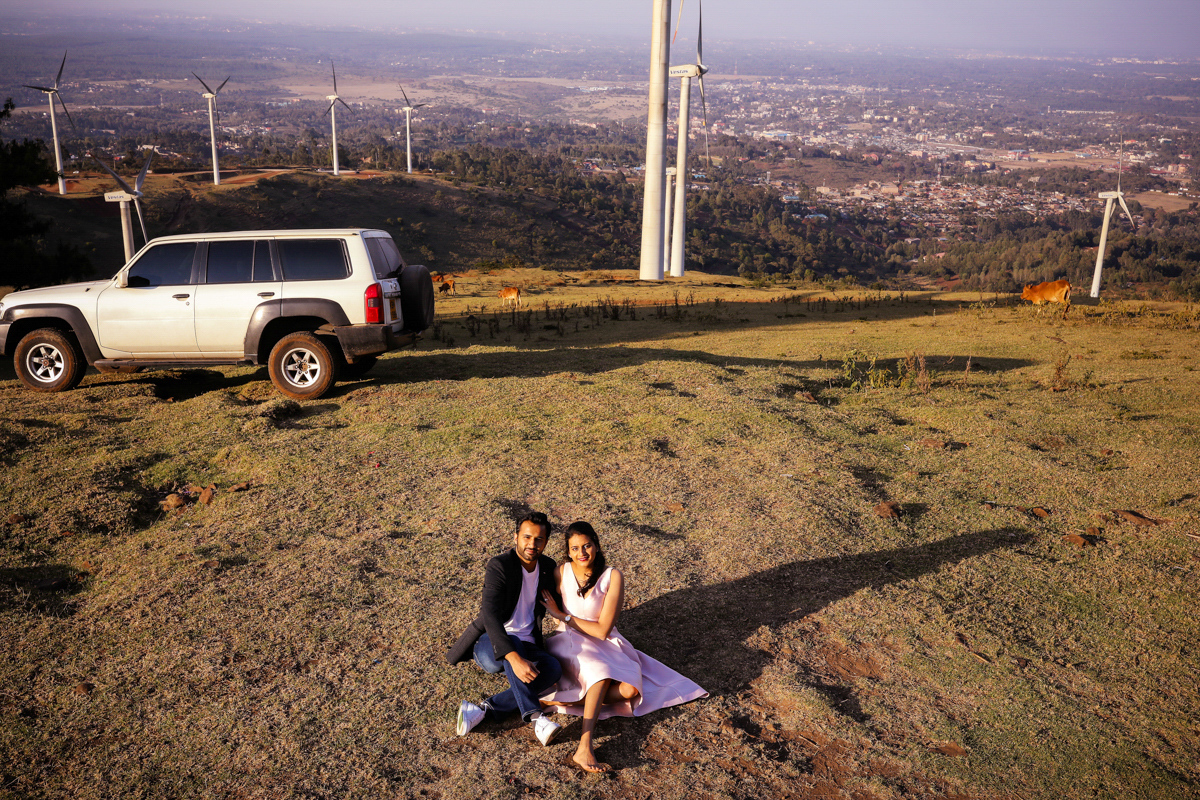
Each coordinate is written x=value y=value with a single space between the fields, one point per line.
x=1052 y=292
x=510 y=294
x=448 y=282
x=445 y=287
x=437 y=278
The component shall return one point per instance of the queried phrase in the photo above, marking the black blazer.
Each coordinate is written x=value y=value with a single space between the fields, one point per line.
x=501 y=591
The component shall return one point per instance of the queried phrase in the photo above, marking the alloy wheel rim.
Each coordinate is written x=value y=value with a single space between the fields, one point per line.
x=301 y=368
x=45 y=363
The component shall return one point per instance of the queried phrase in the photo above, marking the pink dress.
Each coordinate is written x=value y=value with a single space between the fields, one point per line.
x=586 y=660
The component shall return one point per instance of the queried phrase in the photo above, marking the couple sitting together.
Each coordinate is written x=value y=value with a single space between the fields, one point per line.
x=586 y=667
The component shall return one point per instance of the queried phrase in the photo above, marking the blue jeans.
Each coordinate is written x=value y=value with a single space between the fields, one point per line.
x=519 y=696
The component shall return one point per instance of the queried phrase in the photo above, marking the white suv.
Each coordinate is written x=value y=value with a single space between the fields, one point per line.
x=312 y=305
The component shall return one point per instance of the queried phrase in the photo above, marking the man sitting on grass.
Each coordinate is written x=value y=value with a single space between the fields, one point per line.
x=507 y=634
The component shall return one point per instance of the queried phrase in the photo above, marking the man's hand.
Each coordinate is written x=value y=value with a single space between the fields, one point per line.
x=525 y=670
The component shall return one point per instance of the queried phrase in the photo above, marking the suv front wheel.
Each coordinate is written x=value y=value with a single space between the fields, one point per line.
x=302 y=367
x=48 y=360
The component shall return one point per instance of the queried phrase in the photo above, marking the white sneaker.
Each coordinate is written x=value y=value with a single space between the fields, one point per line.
x=469 y=715
x=545 y=730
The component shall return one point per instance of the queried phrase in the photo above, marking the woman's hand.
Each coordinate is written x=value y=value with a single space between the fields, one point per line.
x=551 y=607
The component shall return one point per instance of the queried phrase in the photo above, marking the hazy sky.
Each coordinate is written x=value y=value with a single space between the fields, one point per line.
x=1115 y=27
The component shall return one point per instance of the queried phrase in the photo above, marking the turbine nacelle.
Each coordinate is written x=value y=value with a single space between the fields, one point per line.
x=688 y=71
x=1110 y=195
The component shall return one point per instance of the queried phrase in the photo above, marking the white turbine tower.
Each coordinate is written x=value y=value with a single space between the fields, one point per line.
x=685 y=74
x=332 y=112
x=52 y=92
x=656 y=141
x=211 y=97
x=1108 y=197
x=408 y=109
x=123 y=197
x=670 y=178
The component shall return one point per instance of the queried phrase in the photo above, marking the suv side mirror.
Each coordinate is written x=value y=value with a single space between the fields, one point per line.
x=122 y=279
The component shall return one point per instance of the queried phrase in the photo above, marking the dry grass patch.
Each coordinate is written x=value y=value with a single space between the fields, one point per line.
x=286 y=640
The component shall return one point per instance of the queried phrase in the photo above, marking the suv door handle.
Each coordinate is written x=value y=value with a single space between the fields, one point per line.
x=181 y=296
x=266 y=294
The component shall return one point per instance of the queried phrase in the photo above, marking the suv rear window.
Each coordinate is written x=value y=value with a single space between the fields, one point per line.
x=239 y=262
x=164 y=265
x=385 y=257
x=313 y=259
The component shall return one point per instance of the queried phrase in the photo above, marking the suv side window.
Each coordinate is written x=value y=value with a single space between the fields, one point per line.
x=164 y=265
x=239 y=262
x=313 y=259
x=385 y=257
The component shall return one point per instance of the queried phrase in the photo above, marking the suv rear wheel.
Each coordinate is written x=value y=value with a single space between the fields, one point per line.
x=302 y=367
x=48 y=360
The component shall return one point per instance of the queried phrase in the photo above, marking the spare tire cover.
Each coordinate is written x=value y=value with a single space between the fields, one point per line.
x=416 y=297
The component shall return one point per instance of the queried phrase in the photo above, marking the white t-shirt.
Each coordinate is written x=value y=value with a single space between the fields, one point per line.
x=520 y=624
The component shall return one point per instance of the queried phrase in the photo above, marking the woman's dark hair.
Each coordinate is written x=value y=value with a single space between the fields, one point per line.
x=583 y=529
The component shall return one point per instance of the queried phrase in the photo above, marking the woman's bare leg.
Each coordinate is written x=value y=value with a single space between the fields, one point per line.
x=619 y=692
x=584 y=756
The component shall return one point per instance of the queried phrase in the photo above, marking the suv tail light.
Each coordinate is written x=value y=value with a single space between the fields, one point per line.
x=373 y=299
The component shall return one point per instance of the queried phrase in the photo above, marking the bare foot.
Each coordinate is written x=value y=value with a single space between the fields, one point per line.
x=588 y=763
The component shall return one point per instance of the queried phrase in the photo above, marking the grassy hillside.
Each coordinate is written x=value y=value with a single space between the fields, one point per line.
x=434 y=222
x=1007 y=635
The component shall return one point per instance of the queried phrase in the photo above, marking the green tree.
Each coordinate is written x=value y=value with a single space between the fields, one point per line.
x=28 y=260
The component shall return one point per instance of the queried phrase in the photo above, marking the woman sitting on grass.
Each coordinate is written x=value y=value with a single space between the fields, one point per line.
x=603 y=675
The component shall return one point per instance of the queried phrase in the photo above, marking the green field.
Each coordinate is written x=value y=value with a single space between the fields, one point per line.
x=1007 y=635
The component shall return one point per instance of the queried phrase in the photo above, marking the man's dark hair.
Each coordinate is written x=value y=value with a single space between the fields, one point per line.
x=537 y=518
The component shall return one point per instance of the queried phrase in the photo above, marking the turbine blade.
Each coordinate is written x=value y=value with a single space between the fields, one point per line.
x=60 y=69
x=343 y=102
x=62 y=103
x=405 y=96
x=222 y=86
x=142 y=175
x=332 y=103
x=700 y=33
x=120 y=181
x=141 y=220
x=334 y=68
x=202 y=83
x=419 y=105
x=46 y=89
x=677 y=22
x=1127 y=214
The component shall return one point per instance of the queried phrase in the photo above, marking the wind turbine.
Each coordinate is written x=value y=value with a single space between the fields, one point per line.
x=656 y=141
x=685 y=74
x=332 y=112
x=408 y=109
x=124 y=197
x=1108 y=197
x=211 y=97
x=52 y=92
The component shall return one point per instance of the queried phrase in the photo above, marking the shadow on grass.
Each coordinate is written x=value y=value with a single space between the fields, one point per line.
x=43 y=590
x=536 y=363
x=187 y=384
x=702 y=631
